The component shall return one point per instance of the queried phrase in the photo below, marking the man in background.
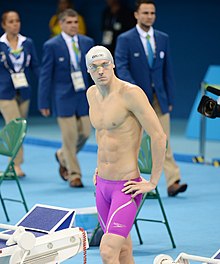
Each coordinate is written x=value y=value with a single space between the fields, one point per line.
x=62 y=89
x=142 y=57
x=54 y=24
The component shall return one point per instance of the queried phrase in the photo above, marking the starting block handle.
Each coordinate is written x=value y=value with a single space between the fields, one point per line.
x=4 y=236
x=198 y=258
x=10 y=227
x=22 y=238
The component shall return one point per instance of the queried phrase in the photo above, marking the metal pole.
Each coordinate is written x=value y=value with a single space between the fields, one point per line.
x=202 y=128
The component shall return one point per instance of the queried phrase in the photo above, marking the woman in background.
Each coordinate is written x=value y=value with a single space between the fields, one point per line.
x=54 y=21
x=17 y=59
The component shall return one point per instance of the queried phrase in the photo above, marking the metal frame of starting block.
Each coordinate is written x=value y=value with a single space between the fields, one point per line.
x=184 y=258
x=43 y=236
x=87 y=218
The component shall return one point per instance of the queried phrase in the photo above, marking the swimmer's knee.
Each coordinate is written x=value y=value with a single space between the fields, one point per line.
x=107 y=253
x=126 y=251
x=110 y=248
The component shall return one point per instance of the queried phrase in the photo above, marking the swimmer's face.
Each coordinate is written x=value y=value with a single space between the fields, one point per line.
x=101 y=71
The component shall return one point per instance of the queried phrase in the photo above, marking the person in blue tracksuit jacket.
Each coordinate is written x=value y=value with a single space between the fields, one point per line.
x=18 y=59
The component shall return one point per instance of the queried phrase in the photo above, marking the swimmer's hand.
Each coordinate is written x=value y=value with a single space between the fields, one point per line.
x=134 y=188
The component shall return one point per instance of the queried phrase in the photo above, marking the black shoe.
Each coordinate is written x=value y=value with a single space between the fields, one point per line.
x=62 y=170
x=176 y=188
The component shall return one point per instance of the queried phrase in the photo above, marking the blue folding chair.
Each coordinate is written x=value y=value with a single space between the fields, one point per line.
x=145 y=166
x=11 y=139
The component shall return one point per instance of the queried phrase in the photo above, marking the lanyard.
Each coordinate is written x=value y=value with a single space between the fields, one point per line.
x=4 y=60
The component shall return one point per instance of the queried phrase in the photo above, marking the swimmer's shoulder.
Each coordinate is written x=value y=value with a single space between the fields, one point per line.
x=91 y=91
x=129 y=89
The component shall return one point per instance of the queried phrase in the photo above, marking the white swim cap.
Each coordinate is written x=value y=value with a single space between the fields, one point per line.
x=98 y=53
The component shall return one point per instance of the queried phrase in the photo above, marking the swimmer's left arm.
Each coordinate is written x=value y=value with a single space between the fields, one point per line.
x=137 y=103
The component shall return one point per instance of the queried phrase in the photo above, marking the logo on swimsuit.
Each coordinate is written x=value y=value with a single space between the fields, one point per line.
x=118 y=225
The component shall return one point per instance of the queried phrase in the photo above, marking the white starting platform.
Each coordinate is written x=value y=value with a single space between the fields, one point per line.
x=184 y=258
x=43 y=236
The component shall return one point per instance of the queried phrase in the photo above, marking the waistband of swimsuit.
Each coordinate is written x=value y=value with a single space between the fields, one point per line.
x=116 y=182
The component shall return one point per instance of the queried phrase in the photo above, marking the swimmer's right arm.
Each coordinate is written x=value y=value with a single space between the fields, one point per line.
x=89 y=95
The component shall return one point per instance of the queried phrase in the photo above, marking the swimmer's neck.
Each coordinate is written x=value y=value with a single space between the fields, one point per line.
x=108 y=88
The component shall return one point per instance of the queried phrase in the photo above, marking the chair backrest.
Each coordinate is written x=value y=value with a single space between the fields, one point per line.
x=12 y=136
x=145 y=157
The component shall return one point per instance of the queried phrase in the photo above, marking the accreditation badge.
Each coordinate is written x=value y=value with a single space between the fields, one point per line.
x=78 y=81
x=19 y=80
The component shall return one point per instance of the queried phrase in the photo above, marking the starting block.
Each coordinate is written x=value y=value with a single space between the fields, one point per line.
x=184 y=258
x=43 y=236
